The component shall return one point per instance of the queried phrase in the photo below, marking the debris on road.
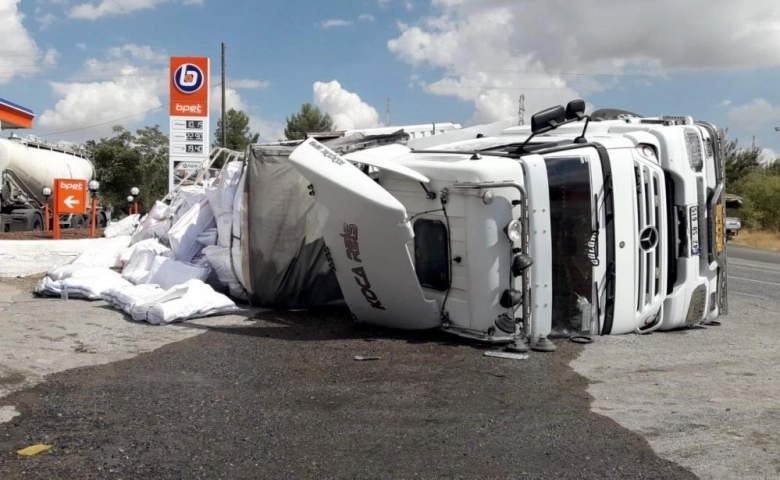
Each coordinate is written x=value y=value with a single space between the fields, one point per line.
x=361 y=358
x=33 y=450
x=509 y=355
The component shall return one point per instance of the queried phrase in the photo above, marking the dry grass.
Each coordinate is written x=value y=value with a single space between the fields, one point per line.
x=758 y=239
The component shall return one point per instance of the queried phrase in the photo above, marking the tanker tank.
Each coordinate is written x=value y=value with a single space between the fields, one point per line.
x=31 y=166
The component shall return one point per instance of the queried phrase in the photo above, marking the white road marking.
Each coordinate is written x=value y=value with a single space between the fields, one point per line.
x=754 y=281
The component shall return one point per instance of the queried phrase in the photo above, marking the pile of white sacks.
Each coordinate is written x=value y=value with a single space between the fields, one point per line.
x=173 y=264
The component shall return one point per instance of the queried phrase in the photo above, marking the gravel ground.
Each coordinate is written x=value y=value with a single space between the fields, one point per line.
x=284 y=398
x=706 y=398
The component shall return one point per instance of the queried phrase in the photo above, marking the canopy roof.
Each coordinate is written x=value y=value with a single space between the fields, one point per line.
x=15 y=116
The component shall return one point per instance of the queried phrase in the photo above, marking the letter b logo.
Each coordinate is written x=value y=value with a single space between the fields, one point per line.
x=188 y=78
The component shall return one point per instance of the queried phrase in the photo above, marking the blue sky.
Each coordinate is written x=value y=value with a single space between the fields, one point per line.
x=83 y=65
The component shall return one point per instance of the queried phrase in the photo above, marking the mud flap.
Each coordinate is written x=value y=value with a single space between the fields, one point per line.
x=366 y=233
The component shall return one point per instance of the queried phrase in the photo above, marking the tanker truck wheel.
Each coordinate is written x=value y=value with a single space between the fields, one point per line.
x=79 y=222
x=37 y=224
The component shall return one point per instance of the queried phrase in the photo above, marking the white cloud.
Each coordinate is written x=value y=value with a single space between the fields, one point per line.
x=335 y=22
x=124 y=86
x=91 y=11
x=269 y=130
x=232 y=100
x=144 y=53
x=44 y=19
x=21 y=56
x=365 y=17
x=492 y=50
x=767 y=156
x=248 y=84
x=346 y=109
x=754 y=115
x=81 y=46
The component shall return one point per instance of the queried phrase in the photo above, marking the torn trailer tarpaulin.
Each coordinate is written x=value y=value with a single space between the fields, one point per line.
x=283 y=251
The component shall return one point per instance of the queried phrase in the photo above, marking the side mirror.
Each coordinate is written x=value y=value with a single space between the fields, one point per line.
x=548 y=119
x=575 y=109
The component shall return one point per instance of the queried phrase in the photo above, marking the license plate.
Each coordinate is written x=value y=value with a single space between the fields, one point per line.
x=694 y=229
x=719 y=227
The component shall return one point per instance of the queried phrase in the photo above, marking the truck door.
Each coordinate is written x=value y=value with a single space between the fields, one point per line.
x=366 y=232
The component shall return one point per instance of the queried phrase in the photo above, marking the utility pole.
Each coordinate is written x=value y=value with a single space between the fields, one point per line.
x=521 y=110
x=224 y=131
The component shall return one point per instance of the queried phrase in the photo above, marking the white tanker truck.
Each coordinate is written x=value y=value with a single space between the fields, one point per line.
x=26 y=167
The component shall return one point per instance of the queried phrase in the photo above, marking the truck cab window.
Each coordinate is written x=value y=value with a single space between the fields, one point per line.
x=431 y=254
x=570 y=215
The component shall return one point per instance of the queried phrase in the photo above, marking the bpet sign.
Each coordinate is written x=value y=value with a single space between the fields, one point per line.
x=189 y=112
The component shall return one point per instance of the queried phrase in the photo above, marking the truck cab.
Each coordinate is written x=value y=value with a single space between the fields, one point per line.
x=495 y=238
x=691 y=155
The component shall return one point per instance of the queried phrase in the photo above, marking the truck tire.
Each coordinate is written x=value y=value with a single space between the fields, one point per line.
x=28 y=219
x=78 y=221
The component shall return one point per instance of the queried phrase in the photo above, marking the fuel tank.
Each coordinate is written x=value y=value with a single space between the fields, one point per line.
x=35 y=166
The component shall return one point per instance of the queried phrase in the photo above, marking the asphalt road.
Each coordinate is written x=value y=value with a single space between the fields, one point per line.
x=282 y=397
x=754 y=274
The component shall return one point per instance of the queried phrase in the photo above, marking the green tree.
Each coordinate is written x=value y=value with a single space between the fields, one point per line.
x=239 y=135
x=126 y=160
x=309 y=119
x=739 y=162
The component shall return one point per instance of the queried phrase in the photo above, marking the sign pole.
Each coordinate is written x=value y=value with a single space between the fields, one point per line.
x=93 y=217
x=56 y=215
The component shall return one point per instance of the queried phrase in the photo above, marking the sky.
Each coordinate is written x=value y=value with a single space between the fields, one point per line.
x=85 y=65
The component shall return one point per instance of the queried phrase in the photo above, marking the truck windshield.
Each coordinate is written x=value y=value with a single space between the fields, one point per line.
x=574 y=242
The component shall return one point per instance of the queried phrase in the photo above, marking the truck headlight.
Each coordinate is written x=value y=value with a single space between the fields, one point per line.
x=514 y=231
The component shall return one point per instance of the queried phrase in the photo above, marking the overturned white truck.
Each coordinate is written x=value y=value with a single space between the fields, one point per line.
x=508 y=236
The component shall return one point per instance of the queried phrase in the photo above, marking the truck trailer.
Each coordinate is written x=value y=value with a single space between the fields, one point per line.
x=27 y=166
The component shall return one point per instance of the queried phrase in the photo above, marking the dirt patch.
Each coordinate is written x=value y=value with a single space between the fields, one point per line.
x=25 y=284
x=758 y=239
x=65 y=234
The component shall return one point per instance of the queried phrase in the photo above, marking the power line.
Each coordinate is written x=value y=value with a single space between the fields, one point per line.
x=87 y=127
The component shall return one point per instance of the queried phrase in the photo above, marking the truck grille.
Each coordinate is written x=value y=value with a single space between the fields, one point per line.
x=650 y=235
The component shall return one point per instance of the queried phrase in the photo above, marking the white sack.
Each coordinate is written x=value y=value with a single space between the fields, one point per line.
x=140 y=310
x=219 y=259
x=208 y=237
x=106 y=254
x=137 y=269
x=154 y=224
x=200 y=300
x=150 y=244
x=89 y=283
x=126 y=226
x=168 y=273
x=186 y=198
x=183 y=236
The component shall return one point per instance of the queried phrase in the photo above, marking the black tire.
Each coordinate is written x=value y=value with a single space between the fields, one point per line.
x=78 y=221
x=37 y=224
